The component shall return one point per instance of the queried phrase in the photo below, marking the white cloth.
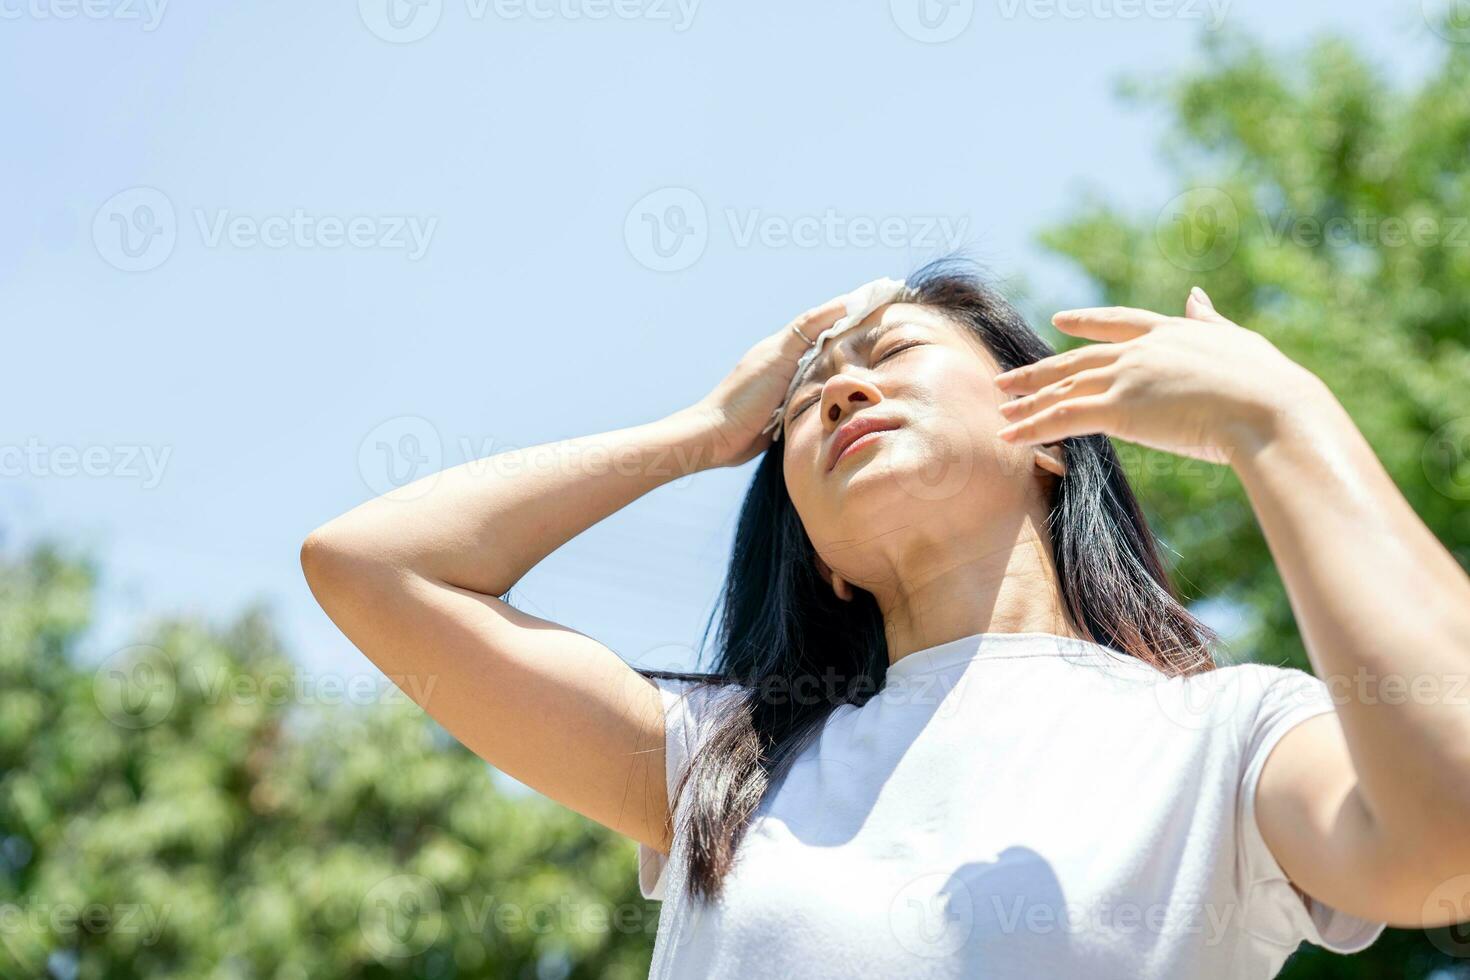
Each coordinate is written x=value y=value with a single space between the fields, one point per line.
x=1010 y=806
x=858 y=305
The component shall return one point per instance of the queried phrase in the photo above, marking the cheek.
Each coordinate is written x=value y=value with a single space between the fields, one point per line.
x=810 y=494
x=795 y=464
x=959 y=387
x=959 y=406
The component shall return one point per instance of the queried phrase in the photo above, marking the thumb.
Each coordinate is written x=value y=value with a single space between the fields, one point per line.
x=1199 y=307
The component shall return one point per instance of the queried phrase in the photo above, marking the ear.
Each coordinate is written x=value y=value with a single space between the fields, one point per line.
x=840 y=586
x=1050 y=458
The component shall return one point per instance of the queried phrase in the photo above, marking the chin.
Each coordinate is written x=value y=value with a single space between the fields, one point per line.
x=884 y=490
x=913 y=477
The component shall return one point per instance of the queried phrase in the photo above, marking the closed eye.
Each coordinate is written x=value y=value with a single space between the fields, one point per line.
x=805 y=405
x=897 y=348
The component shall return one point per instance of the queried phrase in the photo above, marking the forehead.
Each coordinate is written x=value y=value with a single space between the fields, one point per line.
x=878 y=323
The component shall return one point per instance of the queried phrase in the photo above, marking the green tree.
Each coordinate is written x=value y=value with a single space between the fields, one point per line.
x=198 y=806
x=1330 y=211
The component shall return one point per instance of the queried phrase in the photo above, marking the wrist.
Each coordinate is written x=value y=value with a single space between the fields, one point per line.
x=693 y=434
x=1297 y=412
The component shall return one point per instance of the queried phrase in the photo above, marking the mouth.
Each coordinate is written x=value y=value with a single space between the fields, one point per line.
x=855 y=435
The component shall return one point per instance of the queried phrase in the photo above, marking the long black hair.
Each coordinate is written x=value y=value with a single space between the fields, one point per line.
x=796 y=652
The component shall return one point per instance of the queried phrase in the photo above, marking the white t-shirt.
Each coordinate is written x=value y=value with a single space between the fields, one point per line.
x=1011 y=805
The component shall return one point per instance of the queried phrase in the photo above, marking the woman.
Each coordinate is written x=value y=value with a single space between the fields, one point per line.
x=959 y=724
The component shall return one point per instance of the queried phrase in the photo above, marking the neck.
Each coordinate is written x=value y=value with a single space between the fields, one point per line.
x=947 y=589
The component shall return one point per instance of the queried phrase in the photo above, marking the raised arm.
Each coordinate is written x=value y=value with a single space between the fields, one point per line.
x=413 y=579
x=1367 y=809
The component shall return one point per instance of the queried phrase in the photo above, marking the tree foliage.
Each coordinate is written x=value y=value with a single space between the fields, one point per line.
x=199 y=806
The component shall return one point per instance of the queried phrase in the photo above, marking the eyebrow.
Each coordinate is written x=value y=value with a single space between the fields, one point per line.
x=867 y=338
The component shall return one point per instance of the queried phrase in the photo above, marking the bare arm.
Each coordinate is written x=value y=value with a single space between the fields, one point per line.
x=412 y=578
x=1367 y=809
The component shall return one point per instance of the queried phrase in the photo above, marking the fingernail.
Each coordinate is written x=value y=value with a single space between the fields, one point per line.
x=1200 y=295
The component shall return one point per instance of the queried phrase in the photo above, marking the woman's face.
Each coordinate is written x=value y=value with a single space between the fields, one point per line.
x=936 y=468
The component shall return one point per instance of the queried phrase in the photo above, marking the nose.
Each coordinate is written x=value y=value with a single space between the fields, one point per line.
x=845 y=394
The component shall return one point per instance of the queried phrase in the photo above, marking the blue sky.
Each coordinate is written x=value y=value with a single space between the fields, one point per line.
x=254 y=253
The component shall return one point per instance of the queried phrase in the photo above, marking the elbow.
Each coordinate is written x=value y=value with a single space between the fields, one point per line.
x=340 y=560
x=316 y=558
x=313 y=554
x=326 y=560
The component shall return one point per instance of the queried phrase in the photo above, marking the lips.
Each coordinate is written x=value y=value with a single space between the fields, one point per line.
x=854 y=429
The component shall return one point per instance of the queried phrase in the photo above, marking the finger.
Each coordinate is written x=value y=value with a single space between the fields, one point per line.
x=809 y=324
x=1036 y=375
x=1107 y=322
x=1069 y=417
x=1090 y=382
x=1199 y=307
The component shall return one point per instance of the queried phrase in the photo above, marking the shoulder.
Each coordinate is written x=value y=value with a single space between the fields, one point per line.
x=1244 y=696
x=1272 y=697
